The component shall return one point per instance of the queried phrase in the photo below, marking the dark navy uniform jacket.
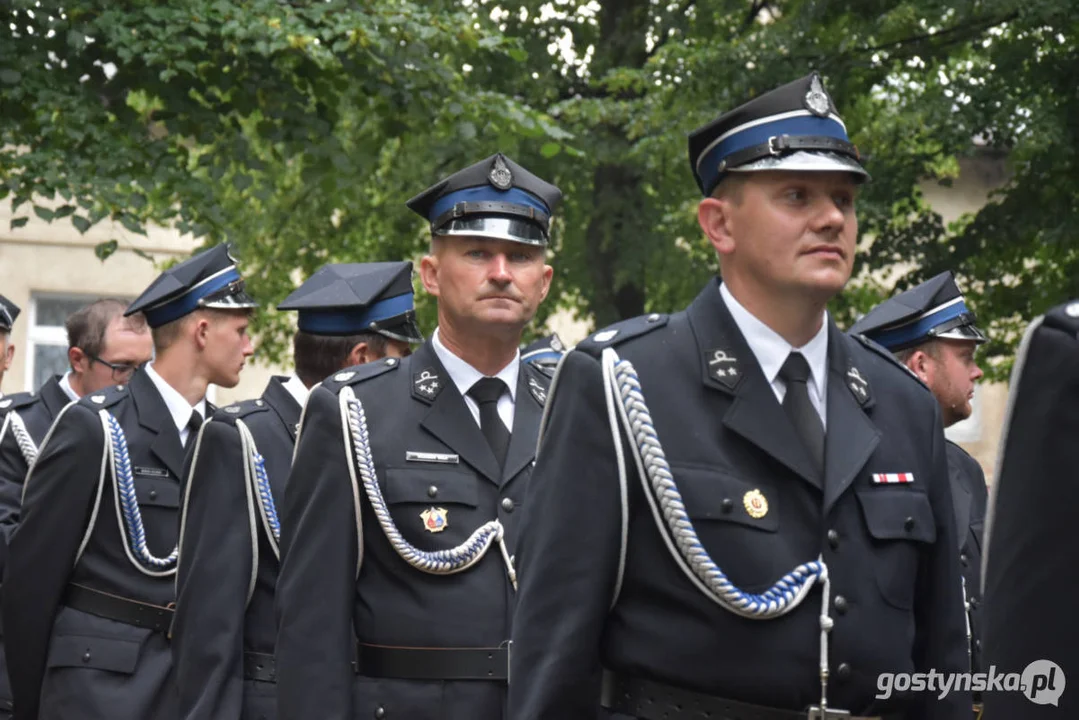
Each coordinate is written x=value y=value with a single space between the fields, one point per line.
x=65 y=663
x=37 y=411
x=970 y=496
x=229 y=562
x=890 y=548
x=411 y=406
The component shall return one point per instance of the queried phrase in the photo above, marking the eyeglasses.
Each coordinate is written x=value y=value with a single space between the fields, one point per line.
x=120 y=371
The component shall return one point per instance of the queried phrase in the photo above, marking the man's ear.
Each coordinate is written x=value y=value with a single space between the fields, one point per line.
x=79 y=361
x=201 y=331
x=360 y=355
x=715 y=219
x=429 y=273
x=920 y=364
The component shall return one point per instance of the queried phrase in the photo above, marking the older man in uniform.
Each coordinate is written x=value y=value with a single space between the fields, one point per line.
x=738 y=511
x=104 y=348
x=1030 y=639
x=224 y=629
x=930 y=330
x=399 y=520
x=8 y=312
x=89 y=583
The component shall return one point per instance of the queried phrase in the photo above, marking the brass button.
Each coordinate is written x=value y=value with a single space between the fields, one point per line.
x=840 y=604
x=432 y=491
x=843 y=671
x=507 y=504
x=833 y=539
x=728 y=505
x=908 y=524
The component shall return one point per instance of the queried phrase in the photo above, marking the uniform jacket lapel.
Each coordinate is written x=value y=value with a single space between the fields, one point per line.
x=449 y=418
x=283 y=404
x=53 y=396
x=154 y=416
x=851 y=435
x=962 y=501
x=527 y=411
x=729 y=366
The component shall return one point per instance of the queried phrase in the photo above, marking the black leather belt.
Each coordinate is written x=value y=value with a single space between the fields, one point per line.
x=121 y=609
x=410 y=663
x=649 y=700
x=260 y=666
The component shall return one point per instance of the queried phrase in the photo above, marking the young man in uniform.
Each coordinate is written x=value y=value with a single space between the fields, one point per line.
x=223 y=631
x=738 y=510
x=104 y=348
x=89 y=586
x=930 y=330
x=399 y=518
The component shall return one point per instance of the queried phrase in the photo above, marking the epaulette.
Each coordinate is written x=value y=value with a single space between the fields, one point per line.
x=359 y=373
x=887 y=355
x=105 y=398
x=240 y=409
x=17 y=401
x=622 y=331
x=1064 y=317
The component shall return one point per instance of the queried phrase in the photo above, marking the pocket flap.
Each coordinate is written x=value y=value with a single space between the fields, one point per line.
x=431 y=485
x=893 y=514
x=157 y=491
x=711 y=495
x=111 y=654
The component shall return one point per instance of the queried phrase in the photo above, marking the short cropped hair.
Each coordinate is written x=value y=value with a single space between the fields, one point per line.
x=319 y=356
x=86 y=327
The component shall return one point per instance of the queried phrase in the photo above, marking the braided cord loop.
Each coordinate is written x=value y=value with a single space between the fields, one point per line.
x=135 y=535
x=438 y=562
x=22 y=438
x=677 y=528
x=269 y=509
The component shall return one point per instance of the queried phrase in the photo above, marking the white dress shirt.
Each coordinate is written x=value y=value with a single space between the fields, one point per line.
x=178 y=406
x=771 y=351
x=464 y=376
x=65 y=385
x=296 y=389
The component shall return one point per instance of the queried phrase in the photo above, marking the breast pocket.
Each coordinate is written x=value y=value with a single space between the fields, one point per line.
x=434 y=508
x=902 y=525
x=737 y=522
x=157 y=491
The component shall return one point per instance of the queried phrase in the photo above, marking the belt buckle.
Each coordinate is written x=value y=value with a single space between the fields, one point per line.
x=816 y=713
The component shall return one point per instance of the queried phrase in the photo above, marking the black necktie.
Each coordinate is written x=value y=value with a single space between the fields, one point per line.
x=795 y=372
x=486 y=393
x=193 y=424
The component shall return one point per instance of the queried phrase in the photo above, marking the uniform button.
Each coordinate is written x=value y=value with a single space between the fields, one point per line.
x=432 y=491
x=974 y=602
x=908 y=524
x=840 y=604
x=833 y=539
x=977 y=644
x=963 y=558
x=507 y=504
x=843 y=671
x=86 y=657
x=380 y=712
x=728 y=505
x=153 y=494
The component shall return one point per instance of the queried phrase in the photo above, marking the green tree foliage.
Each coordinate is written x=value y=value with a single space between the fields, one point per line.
x=297 y=130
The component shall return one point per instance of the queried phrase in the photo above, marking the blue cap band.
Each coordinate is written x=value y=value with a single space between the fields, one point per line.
x=486 y=193
x=343 y=321
x=708 y=165
x=189 y=302
x=919 y=330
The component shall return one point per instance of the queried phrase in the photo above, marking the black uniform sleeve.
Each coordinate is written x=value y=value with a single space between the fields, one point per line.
x=213 y=578
x=940 y=642
x=568 y=555
x=59 y=491
x=316 y=586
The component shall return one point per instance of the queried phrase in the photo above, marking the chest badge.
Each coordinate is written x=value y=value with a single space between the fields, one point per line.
x=756 y=504
x=435 y=519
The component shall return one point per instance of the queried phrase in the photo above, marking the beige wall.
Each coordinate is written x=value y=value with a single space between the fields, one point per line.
x=54 y=258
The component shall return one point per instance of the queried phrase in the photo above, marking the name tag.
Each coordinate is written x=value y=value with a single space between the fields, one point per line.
x=425 y=457
x=151 y=471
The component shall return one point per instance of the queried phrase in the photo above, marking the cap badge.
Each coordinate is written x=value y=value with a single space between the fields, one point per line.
x=500 y=175
x=434 y=519
x=756 y=505
x=816 y=99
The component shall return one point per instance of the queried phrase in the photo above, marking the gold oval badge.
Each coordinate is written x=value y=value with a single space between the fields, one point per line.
x=756 y=505
x=435 y=519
